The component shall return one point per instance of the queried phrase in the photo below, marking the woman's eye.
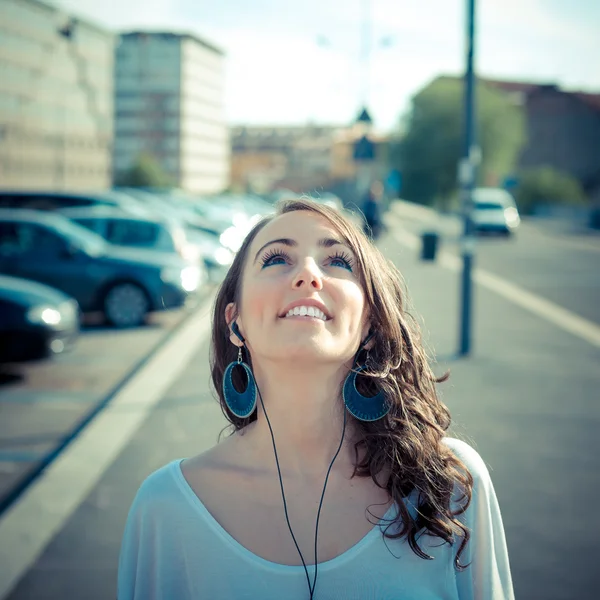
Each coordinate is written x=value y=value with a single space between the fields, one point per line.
x=342 y=260
x=278 y=257
x=274 y=258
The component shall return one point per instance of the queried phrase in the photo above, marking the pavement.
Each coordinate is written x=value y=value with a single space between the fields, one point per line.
x=526 y=399
x=45 y=403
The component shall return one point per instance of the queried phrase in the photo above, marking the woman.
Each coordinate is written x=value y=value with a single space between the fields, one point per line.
x=337 y=480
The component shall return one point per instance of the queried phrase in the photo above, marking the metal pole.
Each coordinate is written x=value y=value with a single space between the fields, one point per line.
x=467 y=177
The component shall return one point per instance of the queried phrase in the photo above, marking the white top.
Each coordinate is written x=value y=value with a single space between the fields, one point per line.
x=174 y=549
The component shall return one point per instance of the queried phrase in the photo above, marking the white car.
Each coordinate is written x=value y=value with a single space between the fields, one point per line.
x=494 y=211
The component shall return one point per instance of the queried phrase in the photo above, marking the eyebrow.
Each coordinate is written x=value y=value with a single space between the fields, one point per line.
x=322 y=243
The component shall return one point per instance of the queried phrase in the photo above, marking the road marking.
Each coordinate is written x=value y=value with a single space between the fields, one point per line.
x=29 y=524
x=553 y=313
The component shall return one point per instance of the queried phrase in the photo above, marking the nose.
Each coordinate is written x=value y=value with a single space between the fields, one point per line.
x=308 y=275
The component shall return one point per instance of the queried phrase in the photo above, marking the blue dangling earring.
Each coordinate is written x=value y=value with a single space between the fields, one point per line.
x=243 y=404
x=362 y=407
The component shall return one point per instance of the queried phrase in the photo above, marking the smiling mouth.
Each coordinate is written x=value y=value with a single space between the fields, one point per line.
x=311 y=312
x=304 y=318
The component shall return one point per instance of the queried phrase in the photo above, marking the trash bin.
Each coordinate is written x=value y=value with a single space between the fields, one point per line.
x=429 y=245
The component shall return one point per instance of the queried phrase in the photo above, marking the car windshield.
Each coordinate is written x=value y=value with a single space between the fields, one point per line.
x=88 y=241
x=495 y=197
x=488 y=206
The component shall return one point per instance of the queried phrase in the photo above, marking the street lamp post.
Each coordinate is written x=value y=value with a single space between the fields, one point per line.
x=467 y=176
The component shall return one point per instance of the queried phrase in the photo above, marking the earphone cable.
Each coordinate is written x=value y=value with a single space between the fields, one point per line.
x=283 y=494
x=311 y=588
x=321 y=502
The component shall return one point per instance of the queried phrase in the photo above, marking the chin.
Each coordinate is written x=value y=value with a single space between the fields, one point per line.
x=308 y=350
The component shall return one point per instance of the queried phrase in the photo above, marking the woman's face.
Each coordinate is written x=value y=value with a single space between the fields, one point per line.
x=299 y=259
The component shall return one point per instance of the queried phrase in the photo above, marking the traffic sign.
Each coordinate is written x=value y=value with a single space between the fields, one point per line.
x=364 y=149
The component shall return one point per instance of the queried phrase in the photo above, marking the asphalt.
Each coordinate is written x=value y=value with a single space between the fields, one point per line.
x=548 y=258
x=43 y=404
x=526 y=399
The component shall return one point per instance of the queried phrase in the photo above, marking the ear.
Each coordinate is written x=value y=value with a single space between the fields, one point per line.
x=366 y=330
x=230 y=316
x=368 y=337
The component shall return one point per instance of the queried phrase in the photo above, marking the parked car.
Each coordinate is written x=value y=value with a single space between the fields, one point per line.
x=158 y=202
x=229 y=226
x=123 y=229
x=157 y=234
x=36 y=321
x=124 y=283
x=41 y=200
x=217 y=257
x=494 y=211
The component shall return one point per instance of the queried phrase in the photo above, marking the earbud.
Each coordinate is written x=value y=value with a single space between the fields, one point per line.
x=237 y=333
x=366 y=340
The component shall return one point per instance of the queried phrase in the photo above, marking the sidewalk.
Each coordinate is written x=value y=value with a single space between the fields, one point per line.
x=48 y=401
x=526 y=400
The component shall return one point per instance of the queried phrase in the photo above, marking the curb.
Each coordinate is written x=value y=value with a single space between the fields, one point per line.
x=9 y=499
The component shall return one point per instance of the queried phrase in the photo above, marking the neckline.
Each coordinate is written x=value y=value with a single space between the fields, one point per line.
x=345 y=556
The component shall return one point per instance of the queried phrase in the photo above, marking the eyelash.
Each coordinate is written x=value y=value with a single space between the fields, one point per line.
x=271 y=254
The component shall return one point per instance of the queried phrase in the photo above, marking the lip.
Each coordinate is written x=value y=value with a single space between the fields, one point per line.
x=306 y=302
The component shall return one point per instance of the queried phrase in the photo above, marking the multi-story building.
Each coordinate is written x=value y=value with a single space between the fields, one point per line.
x=299 y=158
x=169 y=103
x=56 y=99
x=295 y=156
x=563 y=130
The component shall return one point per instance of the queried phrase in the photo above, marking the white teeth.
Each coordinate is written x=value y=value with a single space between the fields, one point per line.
x=303 y=311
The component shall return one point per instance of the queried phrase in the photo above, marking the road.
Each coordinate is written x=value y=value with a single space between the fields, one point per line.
x=554 y=262
x=526 y=399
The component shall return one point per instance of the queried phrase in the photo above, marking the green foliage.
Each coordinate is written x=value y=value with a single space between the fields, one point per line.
x=429 y=154
x=546 y=185
x=146 y=171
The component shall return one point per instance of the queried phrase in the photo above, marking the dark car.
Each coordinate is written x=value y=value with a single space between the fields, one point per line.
x=36 y=321
x=124 y=283
x=42 y=200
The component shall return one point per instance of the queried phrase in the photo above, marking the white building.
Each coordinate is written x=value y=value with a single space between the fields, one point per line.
x=56 y=99
x=169 y=102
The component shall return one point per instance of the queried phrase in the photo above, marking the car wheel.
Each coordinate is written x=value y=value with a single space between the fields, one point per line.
x=126 y=305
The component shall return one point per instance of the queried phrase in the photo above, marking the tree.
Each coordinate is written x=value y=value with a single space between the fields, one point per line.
x=546 y=185
x=431 y=149
x=146 y=171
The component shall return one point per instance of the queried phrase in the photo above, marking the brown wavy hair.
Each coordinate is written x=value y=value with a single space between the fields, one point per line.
x=407 y=442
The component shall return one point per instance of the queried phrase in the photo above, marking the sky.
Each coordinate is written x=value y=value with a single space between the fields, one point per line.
x=294 y=62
